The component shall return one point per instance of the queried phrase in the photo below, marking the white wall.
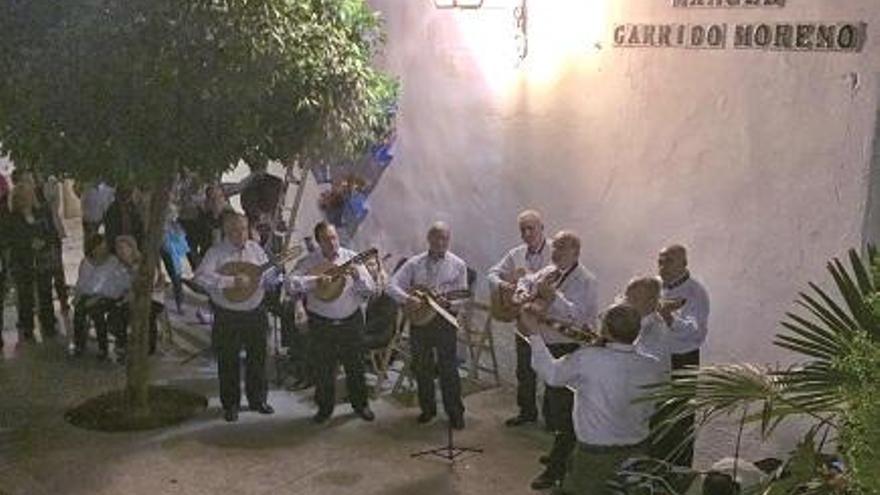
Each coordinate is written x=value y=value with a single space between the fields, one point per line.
x=758 y=161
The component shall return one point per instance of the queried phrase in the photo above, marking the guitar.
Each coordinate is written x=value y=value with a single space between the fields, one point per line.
x=502 y=306
x=535 y=323
x=254 y=273
x=432 y=305
x=330 y=290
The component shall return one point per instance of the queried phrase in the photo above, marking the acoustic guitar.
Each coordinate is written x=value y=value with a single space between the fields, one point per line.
x=331 y=289
x=502 y=306
x=433 y=304
x=254 y=273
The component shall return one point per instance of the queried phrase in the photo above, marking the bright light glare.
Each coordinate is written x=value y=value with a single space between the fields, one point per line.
x=560 y=33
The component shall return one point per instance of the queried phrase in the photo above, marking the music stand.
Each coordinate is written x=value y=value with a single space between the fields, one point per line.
x=449 y=451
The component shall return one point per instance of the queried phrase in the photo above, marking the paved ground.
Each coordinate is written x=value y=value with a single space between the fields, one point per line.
x=286 y=453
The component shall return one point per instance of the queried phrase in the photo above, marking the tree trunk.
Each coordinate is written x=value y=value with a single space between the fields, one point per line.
x=155 y=206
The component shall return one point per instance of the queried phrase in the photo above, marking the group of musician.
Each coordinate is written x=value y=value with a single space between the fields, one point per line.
x=593 y=363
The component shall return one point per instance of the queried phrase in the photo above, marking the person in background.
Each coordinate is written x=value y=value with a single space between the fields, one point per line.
x=123 y=218
x=4 y=248
x=49 y=194
x=209 y=223
x=31 y=237
x=174 y=249
x=100 y=286
x=189 y=196
x=96 y=199
x=130 y=258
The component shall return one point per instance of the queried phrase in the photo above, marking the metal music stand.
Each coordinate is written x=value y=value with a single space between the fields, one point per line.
x=449 y=451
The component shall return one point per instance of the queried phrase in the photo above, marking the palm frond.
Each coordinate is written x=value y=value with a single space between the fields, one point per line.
x=854 y=297
x=863 y=277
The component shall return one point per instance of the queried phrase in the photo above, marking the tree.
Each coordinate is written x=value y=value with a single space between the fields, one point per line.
x=136 y=90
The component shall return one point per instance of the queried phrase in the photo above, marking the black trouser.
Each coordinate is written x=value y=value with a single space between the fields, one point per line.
x=25 y=282
x=120 y=318
x=526 y=380
x=333 y=341
x=558 y=407
x=232 y=331
x=678 y=444
x=100 y=312
x=438 y=335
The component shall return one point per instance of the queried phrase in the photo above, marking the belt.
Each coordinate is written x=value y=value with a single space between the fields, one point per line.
x=609 y=449
x=334 y=322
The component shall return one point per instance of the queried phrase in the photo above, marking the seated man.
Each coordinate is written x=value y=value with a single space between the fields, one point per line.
x=609 y=426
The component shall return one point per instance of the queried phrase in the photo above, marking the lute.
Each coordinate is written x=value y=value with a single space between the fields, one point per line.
x=502 y=305
x=535 y=323
x=254 y=273
x=330 y=289
x=433 y=304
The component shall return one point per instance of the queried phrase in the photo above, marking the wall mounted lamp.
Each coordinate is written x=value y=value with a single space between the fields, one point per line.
x=460 y=4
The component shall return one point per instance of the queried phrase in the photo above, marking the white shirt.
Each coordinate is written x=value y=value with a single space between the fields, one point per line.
x=660 y=340
x=696 y=311
x=443 y=275
x=355 y=293
x=110 y=279
x=95 y=201
x=518 y=257
x=606 y=381
x=217 y=256
x=576 y=302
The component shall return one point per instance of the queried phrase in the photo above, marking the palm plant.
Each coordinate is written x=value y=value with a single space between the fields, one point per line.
x=833 y=384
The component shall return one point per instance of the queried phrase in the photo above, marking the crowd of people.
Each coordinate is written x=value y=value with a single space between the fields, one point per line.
x=656 y=325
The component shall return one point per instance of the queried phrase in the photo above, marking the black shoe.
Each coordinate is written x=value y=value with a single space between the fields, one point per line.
x=425 y=417
x=365 y=413
x=231 y=415
x=545 y=480
x=457 y=422
x=544 y=459
x=263 y=408
x=322 y=416
x=520 y=420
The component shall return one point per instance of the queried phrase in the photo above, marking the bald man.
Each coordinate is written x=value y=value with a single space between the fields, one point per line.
x=442 y=272
x=678 y=283
x=566 y=292
x=530 y=256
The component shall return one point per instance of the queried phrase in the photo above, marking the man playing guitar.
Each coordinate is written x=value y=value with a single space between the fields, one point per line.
x=563 y=292
x=528 y=257
x=237 y=323
x=439 y=271
x=337 y=325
